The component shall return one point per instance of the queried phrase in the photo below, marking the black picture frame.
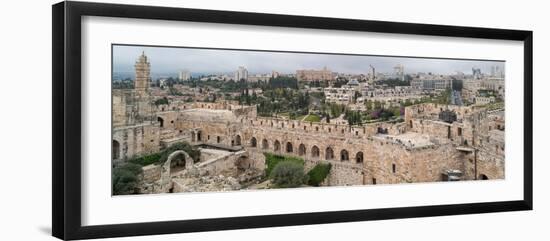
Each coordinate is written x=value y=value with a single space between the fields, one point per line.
x=66 y=168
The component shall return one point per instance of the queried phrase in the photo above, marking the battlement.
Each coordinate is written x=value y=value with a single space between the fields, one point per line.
x=324 y=128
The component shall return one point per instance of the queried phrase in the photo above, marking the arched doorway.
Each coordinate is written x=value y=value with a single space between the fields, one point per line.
x=238 y=140
x=289 y=148
x=483 y=177
x=253 y=142
x=199 y=135
x=178 y=162
x=315 y=152
x=359 y=157
x=265 y=144
x=329 y=154
x=161 y=121
x=116 y=150
x=178 y=157
x=302 y=150
x=277 y=146
x=344 y=155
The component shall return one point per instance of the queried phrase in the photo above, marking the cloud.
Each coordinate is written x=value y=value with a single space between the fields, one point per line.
x=171 y=60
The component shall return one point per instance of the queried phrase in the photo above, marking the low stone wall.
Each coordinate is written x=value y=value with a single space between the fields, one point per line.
x=225 y=162
x=151 y=173
x=341 y=173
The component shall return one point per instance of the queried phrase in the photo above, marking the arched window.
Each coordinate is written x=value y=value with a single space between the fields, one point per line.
x=289 y=147
x=161 y=121
x=344 y=155
x=265 y=144
x=302 y=150
x=277 y=146
x=315 y=151
x=253 y=142
x=359 y=157
x=329 y=154
x=116 y=150
x=238 y=140
x=199 y=135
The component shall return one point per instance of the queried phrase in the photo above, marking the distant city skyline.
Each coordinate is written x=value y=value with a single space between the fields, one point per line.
x=165 y=60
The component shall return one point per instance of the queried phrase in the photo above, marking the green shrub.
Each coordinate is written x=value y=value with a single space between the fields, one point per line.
x=162 y=156
x=125 y=179
x=288 y=174
x=163 y=101
x=271 y=160
x=318 y=174
x=146 y=160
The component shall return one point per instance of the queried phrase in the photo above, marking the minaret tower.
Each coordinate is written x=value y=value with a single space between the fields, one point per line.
x=143 y=75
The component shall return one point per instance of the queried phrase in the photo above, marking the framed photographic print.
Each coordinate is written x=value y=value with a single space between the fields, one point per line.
x=169 y=120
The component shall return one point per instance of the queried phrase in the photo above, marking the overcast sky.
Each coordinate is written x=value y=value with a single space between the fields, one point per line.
x=171 y=60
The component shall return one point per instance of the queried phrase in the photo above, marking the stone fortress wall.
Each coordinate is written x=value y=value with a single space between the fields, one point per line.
x=374 y=153
x=417 y=150
x=420 y=149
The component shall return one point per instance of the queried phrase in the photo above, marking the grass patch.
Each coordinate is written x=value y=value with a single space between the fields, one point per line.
x=318 y=174
x=298 y=117
x=313 y=118
x=283 y=114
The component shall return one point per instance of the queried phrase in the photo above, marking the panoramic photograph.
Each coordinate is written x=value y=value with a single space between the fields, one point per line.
x=187 y=119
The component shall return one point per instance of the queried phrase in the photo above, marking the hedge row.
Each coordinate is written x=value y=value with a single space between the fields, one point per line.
x=318 y=174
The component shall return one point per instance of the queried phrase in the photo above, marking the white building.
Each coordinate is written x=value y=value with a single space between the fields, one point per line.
x=481 y=100
x=241 y=74
x=343 y=95
x=259 y=77
x=184 y=75
x=399 y=72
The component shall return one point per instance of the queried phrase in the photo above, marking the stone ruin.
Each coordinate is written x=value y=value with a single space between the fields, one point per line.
x=220 y=172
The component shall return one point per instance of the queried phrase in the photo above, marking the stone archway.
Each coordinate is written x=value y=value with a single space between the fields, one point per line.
x=302 y=150
x=116 y=150
x=253 y=142
x=483 y=177
x=265 y=144
x=276 y=146
x=237 y=140
x=161 y=121
x=344 y=155
x=359 y=157
x=165 y=169
x=289 y=148
x=199 y=135
x=315 y=152
x=329 y=154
